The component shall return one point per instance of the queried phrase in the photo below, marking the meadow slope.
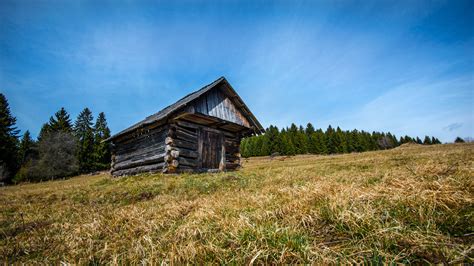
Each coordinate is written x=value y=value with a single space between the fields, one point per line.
x=410 y=204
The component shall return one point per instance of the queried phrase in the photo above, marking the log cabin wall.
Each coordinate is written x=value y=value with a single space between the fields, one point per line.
x=177 y=147
x=139 y=152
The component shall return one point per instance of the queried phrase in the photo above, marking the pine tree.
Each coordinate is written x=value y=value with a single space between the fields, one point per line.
x=45 y=129
x=402 y=140
x=427 y=141
x=301 y=141
x=85 y=136
x=318 y=142
x=309 y=129
x=266 y=146
x=60 y=121
x=339 y=141
x=435 y=140
x=101 y=148
x=409 y=139
x=250 y=147
x=331 y=142
x=26 y=150
x=272 y=135
x=418 y=140
x=353 y=141
x=288 y=147
x=8 y=142
x=393 y=140
x=363 y=140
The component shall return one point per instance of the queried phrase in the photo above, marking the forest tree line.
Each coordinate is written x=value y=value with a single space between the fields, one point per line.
x=63 y=147
x=304 y=140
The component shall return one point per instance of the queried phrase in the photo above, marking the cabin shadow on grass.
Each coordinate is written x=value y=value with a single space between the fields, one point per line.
x=407 y=205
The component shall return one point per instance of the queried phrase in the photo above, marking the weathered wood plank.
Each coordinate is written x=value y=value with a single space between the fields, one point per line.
x=147 y=168
x=199 y=148
x=143 y=133
x=185 y=144
x=193 y=154
x=187 y=162
x=190 y=131
x=144 y=161
x=151 y=149
x=132 y=146
x=182 y=135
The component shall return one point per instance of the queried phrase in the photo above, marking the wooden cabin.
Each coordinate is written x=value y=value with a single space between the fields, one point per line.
x=200 y=132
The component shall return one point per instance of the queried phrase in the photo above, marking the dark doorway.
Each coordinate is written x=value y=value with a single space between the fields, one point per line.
x=211 y=149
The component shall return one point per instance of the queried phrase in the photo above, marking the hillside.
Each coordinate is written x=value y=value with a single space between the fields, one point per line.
x=410 y=204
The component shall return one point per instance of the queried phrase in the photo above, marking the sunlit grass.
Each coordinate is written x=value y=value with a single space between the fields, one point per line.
x=410 y=204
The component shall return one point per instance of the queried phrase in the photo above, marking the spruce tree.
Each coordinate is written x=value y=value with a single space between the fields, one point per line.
x=435 y=140
x=26 y=150
x=309 y=129
x=266 y=146
x=393 y=140
x=8 y=142
x=251 y=147
x=318 y=142
x=339 y=141
x=363 y=141
x=60 y=121
x=402 y=140
x=331 y=142
x=101 y=149
x=301 y=141
x=418 y=140
x=427 y=141
x=45 y=129
x=84 y=133
x=272 y=134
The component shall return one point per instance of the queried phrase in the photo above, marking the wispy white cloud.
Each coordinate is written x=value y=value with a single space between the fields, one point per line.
x=453 y=126
x=419 y=108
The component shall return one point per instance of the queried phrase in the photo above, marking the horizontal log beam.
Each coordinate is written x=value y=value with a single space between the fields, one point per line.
x=187 y=153
x=147 y=168
x=190 y=131
x=136 y=136
x=185 y=144
x=152 y=148
x=134 y=163
x=146 y=142
x=185 y=135
x=187 y=162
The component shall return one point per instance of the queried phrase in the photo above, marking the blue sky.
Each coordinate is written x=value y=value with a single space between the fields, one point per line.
x=399 y=66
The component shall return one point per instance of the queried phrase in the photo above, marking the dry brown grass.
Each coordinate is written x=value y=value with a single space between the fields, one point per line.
x=412 y=204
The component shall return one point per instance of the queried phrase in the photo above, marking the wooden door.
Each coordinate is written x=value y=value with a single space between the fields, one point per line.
x=211 y=149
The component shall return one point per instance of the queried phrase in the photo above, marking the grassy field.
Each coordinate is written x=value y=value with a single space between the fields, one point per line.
x=410 y=204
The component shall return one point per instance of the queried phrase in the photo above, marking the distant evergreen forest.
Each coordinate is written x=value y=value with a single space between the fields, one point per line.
x=300 y=140
x=63 y=148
